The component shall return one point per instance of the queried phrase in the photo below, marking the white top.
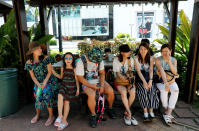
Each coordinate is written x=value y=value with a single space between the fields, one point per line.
x=118 y=67
x=92 y=74
x=143 y=66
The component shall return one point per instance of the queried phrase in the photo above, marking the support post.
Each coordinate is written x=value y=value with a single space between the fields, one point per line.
x=173 y=24
x=193 y=59
x=110 y=21
x=23 y=43
x=59 y=30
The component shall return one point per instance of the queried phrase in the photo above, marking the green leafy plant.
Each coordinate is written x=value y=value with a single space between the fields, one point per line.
x=35 y=34
x=9 y=55
x=53 y=42
x=113 y=44
x=182 y=35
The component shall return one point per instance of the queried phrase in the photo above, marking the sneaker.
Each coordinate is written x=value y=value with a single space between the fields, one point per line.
x=127 y=122
x=111 y=113
x=134 y=121
x=93 y=121
x=152 y=116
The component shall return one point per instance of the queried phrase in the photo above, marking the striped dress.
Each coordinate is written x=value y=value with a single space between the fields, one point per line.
x=147 y=98
x=68 y=86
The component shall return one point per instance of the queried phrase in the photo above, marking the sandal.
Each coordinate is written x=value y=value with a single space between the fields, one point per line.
x=34 y=119
x=62 y=126
x=167 y=119
x=49 y=121
x=57 y=121
x=172 y=118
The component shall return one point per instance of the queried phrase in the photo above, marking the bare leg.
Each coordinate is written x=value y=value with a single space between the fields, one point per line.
x=91 y=99
x=38 y=111
x=123 y=93
x=50 y=111
x=60 y=105
x=66 y=111
x=110 y=94
x=131 y=97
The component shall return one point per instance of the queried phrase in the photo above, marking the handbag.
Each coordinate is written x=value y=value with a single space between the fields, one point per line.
x=129 y=75
x=169 y=76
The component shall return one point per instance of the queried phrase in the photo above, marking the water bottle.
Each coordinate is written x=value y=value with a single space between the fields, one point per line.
x=38 y=93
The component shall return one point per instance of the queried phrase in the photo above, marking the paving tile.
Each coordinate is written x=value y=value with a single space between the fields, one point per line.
x=197 y=120
x=187 y=121
x=184 y=113
x=181 y=104
x=195 y=111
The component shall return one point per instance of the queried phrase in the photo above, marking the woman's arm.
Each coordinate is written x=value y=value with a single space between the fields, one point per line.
x=60 y=76
x=173 y=66
x=34 y=78
x=77 y=83
x=159 y=66
x=139 y=72
x=49 y=67
x=32 y=75
x=163 y=75
x=121 y=77
x=151 y=73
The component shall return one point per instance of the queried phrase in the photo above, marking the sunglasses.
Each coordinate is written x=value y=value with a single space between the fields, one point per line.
x=68 y=58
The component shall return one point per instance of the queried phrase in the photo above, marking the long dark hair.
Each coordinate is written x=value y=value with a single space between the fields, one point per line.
x=73 y=63
x=147 y=57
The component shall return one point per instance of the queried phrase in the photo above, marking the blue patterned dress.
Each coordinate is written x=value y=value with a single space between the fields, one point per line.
x=49 y=94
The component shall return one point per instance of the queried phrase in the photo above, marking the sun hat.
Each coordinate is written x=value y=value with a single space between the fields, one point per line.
x=32 y=47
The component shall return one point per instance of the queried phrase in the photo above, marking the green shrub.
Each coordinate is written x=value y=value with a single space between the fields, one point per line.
x=53 y=42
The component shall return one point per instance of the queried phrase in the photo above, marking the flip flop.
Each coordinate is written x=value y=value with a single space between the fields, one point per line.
x=62 y=126
x=34 y=120
x=49 y=121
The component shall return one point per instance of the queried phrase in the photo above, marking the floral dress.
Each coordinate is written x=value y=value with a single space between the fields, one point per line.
x=49 y=93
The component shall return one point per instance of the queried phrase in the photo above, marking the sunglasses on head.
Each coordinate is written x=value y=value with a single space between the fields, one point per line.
x=68 y=58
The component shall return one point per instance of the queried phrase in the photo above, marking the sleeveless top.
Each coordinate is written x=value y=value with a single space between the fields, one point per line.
x=164 y=65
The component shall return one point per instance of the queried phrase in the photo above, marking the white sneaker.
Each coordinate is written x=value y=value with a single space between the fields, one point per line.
x=127 y=122
x=152 y=114
x=134 y=121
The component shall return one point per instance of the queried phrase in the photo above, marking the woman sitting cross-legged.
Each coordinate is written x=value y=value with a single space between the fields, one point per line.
x=145 y=89
x=120 y=67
